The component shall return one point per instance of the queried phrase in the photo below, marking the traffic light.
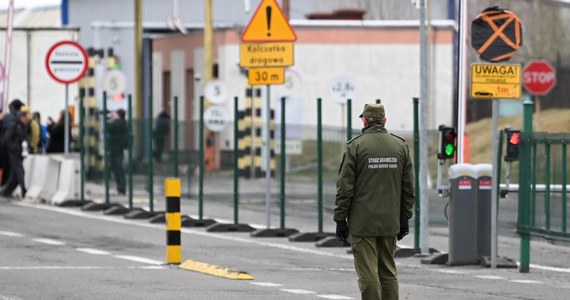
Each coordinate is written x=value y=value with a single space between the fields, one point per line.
x=447 y=147
x=513 y=142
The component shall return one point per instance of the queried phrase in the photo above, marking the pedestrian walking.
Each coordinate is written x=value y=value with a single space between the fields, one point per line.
x=118 y=139
x=161 y=130
x=375 y=193
x=10 y=118
x=13 y=138
x=56 y=130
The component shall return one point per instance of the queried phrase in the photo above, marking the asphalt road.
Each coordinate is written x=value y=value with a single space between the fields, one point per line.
x=63 y=253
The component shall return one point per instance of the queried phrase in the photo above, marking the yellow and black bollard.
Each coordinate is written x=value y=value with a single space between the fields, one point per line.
x=173 y=221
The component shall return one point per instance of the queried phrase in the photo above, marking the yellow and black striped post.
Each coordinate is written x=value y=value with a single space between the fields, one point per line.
x=173 y=221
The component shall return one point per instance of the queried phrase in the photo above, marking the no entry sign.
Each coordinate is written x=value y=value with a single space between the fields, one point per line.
x=66 y=62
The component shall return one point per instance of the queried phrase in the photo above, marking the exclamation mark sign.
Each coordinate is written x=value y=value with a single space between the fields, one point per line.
x=268 y=15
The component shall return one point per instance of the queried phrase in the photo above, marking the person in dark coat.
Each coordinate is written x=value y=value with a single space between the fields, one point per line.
x=9 y=119
x=118 y=139
x=13 y=138
x=161 y=130
x=56 y=141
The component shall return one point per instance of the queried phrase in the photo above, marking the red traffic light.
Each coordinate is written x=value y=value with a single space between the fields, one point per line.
x=515 y=138
x=449 y=136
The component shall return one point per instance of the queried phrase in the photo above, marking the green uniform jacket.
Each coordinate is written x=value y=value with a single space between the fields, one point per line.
x=118 y=135
x=375 y=184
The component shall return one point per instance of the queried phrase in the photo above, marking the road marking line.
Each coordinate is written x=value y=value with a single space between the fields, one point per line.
x=266 y=284
x=49 y=242
x=491 y=277
x=335 y=297
x=297 y=292
x=139 y=259
x=215 y=270
x=527 y=281
x=11 y=234
x=450 y=271
x=8 y=298
x=547 y=268
x=185 y=230
x=93 y=251
x=35 y=268
x=226 y=237
x=225 y=221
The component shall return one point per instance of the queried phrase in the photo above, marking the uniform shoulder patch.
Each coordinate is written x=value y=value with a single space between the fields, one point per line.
x=399 y=137
x=354 y=138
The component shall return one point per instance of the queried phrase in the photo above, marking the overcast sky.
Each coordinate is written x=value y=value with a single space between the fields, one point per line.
x=28 y=3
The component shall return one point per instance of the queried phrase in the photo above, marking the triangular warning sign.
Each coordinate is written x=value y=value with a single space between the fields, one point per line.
x=268 y=24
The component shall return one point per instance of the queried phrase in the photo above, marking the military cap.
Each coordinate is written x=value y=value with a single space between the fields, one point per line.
x=373 y=112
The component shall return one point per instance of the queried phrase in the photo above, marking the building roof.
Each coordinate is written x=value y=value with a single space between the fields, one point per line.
x=37 y=17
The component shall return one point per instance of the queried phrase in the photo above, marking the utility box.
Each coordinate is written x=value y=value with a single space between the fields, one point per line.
x=462 y=215
x=484 y=206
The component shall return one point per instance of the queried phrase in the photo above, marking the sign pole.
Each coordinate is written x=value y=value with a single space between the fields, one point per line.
x=67 y=121
x=267 y=157
x=495 y=185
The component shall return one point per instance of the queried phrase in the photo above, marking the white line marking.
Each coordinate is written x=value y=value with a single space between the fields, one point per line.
x=185 y=230
x=49 y=242
x=547 y=268
x=93 y=251
x=335 y=297
x=35 y=268
x=225 y=221
x=450 y=271
x=139 y=259
x=227 y=237
x=11 y=234
x=8 y=298
x=152 y=268
x=297 y=292
x=491 y=277
x=527 y=281
x=266 y=284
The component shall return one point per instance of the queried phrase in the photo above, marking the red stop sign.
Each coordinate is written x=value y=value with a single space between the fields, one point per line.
x=539 y=77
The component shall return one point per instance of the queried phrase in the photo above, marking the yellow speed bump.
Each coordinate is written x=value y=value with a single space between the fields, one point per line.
x=215 y=270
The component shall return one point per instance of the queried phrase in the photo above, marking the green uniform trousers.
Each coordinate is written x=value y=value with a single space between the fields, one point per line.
x=375 y=267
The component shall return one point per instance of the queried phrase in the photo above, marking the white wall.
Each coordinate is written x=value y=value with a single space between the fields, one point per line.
x=386 y=72
x=36 y=88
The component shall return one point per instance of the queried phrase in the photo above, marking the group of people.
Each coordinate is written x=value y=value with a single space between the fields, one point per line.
x=22 y=133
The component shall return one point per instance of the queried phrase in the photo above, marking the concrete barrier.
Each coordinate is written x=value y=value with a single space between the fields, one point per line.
x=44 y=177
x=68 y=182
x=28 y=170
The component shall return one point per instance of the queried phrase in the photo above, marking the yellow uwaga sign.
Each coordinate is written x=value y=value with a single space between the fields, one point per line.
x=266 y=55
x=495 y=81
x=259 y=76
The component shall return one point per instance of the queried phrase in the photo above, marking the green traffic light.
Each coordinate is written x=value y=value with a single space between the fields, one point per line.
x=449 y=149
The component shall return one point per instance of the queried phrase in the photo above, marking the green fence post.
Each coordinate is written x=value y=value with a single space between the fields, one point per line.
x=105 y=150
x=150 y=158
x=81 y=149
x=176 y=137
x=547 y=183
x=130 y=150
x=524 y=188
x=533 y=169
x=320 y=162
x=201 y=161
x=564 y=182
x=349 y=119
x=416 y=172
x=236 y=153
x=282 y=162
